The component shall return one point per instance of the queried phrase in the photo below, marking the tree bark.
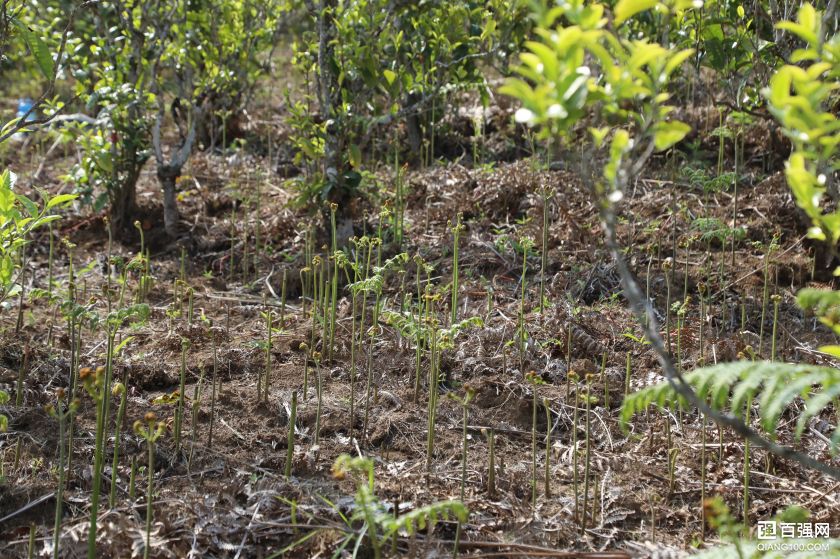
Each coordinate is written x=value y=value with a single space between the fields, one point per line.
x=168 y=172
x=123 y=199
x=328 y=91
x=414 y=133
x=329 y=96
x=123 y=205
x=168 y=176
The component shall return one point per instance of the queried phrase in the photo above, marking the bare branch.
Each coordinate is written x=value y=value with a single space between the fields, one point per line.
x=180 y=157
x=156 y=143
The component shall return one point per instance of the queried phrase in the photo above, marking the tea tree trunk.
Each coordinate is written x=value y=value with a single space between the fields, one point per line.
x=167 y=176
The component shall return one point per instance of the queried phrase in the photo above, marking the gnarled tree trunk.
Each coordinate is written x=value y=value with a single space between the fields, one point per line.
x=169 y=171
x=123 y=196
x=329 y=93
x=168 y=176
x=123 y=205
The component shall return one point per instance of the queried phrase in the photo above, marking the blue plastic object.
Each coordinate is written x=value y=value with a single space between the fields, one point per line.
x=24 y=106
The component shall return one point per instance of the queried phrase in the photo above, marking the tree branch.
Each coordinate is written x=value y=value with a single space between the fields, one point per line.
x=22 y=121
x=641 y=310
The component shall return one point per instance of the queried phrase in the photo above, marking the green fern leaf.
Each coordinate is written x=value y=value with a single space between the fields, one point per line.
x=729 y=386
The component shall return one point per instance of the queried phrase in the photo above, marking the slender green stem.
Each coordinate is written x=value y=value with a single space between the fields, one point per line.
x=30 y=551
x=196 y=406
x=232 y=236
x=433 y=393
x=371 y=339
x=290 y=438
x=464 y=449
x=257 y=227
x=189 y=306
x=702 y=289
x=547 y=448
x=319 y=389
x=588 y=450
x=419 y=340
x=325 y=304
x=491 y=466
x=269 y=326
x=627 y=372
x=764 y=294
x=62 y=413
x=352 y=366
x=544 y=248
x=672 y=469
x=746 y=511
x=283 y=301
x=122 y=392
x=456 y=235
x=573 y=377
x=703 y=477
x=526 y=245
x=604 y=380
x=150 y=492
x=99 y=450
x=50 y=262
x=776 y=299
x=534 y=449
x=667 y=265
x=334 y=285
x=738 y=157
x=179 y=413
x=213 y=391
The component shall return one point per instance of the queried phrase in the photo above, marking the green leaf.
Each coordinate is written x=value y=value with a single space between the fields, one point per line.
x=60 y=199
x=7 y=197
x=355 y=156
x=390 y=76
x=547 y=57
x=625 y=9
x=833 y=350
x=772 y=386
x=39 y=49
x=667 y=134
x=166 y=399
x=677 y=59
x=599 y=135
x=122 y=345
x=618 y=147
x=7 y=268
x=40 y=222
x=807 y=26
x=30 y=206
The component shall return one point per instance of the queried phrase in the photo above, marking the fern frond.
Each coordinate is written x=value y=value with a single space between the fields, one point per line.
x=406 y=324
x=408 y=327
x=446 y=337
x=729 y=386
x=660 y=394
x=393 y=263
x=372 y=284
x=418 y=519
